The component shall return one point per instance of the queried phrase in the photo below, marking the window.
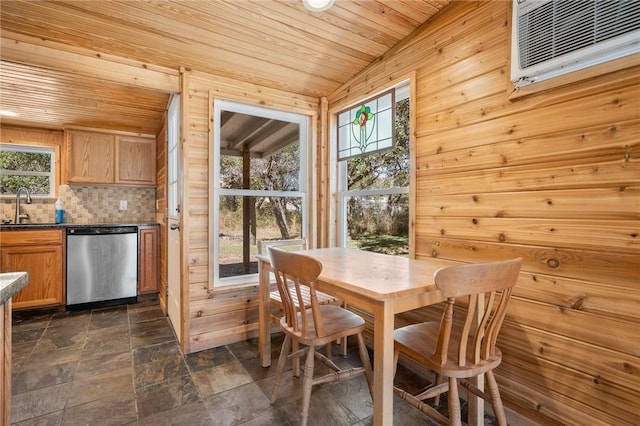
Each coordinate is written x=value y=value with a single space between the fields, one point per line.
x=173 y=154
x=260 y=185
x=27 y=166
x=373 y=188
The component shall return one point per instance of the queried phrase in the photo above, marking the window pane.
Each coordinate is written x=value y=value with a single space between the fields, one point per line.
x=278 y=172
x=366 y=128
x=267 y=218
x=384 y=102
x=173 y=127
x=379 y=223
x=385 y=169
x=31 y=167
x=25 y=161
x=385 y=128
x=37 y=185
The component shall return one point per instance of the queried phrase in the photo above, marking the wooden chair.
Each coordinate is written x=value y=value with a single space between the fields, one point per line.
x=312 y=327
x=274 y=296
x=461 y=349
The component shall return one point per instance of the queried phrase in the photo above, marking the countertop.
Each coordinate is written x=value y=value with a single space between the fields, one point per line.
x=11 y=283
x=27 y=226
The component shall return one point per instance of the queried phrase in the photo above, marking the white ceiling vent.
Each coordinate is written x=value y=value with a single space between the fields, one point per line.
x=555 y=37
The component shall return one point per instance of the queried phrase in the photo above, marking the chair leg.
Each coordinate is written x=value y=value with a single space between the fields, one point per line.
x=366 y=362
x=295 y=362
x=343 y=342
x=438 y=380
x=496 y=401
x=280 y=367
x=454 y=403
x=396 y=357
x=306 y=385
x=343 y=346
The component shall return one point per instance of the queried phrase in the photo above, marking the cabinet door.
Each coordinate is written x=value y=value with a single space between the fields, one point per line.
x=148 y=280
x=44 y=265
x=90 y=157
x=5 y=363
x=136 y=160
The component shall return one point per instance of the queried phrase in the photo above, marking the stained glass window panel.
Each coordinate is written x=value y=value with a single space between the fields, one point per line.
x=367 y=128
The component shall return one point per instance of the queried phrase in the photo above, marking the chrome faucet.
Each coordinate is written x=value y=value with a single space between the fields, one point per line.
x=19 y=216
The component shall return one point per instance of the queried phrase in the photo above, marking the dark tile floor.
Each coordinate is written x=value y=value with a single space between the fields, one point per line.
x=122 y=366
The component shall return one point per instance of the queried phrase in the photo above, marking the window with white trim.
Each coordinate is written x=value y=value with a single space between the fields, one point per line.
x=173 y=156
x=32 y=167
x=260 y=185
x=373 y=184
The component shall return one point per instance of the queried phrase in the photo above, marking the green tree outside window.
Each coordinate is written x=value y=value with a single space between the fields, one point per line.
x=31 y=167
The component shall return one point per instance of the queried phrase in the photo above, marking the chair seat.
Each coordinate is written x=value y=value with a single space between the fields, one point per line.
x=338 y=322
x=323 y=298
x=419 y=341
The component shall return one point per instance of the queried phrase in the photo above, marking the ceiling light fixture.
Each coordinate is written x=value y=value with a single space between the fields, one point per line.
x=7 y=113
x=317 y=5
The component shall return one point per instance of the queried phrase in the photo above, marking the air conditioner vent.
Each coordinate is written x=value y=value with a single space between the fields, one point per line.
x=558 y=36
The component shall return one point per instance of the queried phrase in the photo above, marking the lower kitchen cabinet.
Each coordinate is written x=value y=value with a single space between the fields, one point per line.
x=41 y=254
x=5 y=363
x=148 y=275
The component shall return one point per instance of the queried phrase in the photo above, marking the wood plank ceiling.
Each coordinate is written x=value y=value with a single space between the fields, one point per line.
x=277 y=44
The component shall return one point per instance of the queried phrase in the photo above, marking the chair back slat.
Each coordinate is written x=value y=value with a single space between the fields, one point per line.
x=315 y=309
x=288 y=306
x=289 y=244
x=488 y=348
x=293 y=271
x=441 y=354
x=467 y=328
x=485 y=285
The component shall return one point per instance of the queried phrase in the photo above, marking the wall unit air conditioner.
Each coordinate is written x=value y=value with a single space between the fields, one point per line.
x=555 y=37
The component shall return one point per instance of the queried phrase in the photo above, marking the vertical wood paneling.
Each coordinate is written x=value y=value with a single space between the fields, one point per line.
x=552 y=177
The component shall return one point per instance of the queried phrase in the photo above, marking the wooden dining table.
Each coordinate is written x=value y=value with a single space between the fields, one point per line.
x=381 y=284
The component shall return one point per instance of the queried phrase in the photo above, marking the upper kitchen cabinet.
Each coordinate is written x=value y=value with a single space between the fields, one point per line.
x=109 y=158
x=135 y=162
x=90 y=157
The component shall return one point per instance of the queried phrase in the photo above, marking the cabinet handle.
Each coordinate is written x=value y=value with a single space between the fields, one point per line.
x=174 y=226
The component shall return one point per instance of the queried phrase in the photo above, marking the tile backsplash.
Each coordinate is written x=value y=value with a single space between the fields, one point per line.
x=88 y=205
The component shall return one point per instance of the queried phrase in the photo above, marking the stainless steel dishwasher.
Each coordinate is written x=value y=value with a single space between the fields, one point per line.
x=102 y=265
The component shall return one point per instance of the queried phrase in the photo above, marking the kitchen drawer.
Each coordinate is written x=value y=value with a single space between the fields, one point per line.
x=25 y=238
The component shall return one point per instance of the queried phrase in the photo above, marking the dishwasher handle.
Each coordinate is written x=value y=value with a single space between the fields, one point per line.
x=101 y=230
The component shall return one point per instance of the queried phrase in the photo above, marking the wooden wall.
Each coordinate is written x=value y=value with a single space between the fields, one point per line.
x=553 y=177
x=214 y=318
